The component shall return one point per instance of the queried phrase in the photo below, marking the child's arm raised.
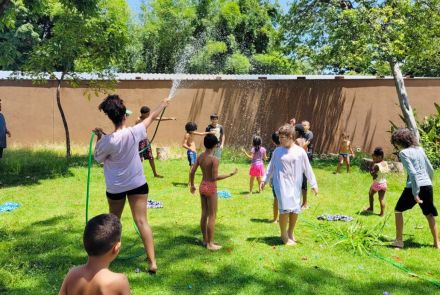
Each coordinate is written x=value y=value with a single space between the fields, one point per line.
x=156 y=112
x=215 y=175
x=203 y=133
x=247 y=155
x=165 y=119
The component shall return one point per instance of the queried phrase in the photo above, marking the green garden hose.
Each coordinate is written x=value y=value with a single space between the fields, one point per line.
x=89 y=165
x=389 y=261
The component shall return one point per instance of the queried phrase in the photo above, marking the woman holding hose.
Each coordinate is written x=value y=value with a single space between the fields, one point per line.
x=123 y=171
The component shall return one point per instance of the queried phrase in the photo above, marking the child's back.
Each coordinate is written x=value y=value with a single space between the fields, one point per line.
x=206 y=162
x=83 y=280
x=258 y=155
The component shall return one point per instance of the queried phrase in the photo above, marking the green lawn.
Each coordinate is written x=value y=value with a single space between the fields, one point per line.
x=41 y=240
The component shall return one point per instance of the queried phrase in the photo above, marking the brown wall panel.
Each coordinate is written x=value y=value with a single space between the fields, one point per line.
x=363 y=108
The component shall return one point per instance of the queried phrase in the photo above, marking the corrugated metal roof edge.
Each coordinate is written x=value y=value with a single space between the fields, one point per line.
x=9 y=75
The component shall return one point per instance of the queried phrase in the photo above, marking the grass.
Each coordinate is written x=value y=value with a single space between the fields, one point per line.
x=41 y=240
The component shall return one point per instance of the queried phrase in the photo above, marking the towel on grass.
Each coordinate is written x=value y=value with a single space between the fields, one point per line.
x=224 y=194
x=154 y=204
x=8 y=206
x=336 y=217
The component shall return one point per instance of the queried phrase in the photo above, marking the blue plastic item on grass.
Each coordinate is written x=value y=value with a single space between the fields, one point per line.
x=154 y=204
x=224 y=194
x=8 y=206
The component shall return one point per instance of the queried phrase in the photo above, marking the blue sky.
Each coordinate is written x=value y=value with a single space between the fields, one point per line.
x=135 y=4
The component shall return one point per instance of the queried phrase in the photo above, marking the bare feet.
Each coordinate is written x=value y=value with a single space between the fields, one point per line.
x=397 y=244
x=437 y=245
x=158 y=176
x=274 y=221
x=292 y=237
x=290 y=243
x=213 y=247
x=382 y=214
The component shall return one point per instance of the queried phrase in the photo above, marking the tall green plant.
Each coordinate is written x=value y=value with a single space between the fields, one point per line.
x=429 y=130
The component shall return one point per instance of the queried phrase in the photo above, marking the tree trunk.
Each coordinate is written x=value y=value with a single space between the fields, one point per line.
x=63 y=116
x=4 y=5
x=403 y=99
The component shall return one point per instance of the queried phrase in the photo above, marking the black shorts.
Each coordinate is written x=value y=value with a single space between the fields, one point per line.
x=142 y=190
x=406 y=201
x=304 y=183
x=1 y=153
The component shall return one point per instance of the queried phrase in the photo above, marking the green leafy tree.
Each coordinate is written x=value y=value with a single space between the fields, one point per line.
x=167 y=27
x=365 y=36
x=80 y=36
x=237 y=63
x=223 y=35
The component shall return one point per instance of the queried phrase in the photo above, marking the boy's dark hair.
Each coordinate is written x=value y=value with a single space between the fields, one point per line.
x=101 y=234
x=256 y=142
x=404 y=137
x=301 y=131
x=378 y=152
x=276 y=138
x=113 y=106
x=190 y=127
x=210 y=141
x=145 y=110
x=287 y=130
x=213 y=116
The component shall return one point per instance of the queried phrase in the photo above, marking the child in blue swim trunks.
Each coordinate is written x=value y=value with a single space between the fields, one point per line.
x=190 y=145
x=345 y=152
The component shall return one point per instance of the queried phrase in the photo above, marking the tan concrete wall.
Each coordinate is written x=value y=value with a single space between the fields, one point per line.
x=363 y=108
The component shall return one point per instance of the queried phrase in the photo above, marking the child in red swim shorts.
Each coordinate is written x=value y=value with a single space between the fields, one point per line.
x=208 y=189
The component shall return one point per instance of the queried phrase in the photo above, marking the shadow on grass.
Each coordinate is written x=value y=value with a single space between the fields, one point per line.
x=27 y=167
x=43 y=250
x=261 y=220
x=180 y=184
x=46 y=249
x=271 y=241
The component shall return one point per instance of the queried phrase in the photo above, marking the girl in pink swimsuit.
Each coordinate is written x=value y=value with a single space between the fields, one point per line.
x=379 y=171
x=208 y=189
x=257 y=156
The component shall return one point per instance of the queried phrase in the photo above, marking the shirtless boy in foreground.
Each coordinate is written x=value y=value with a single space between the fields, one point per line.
x=102 y=241
x=208 y=189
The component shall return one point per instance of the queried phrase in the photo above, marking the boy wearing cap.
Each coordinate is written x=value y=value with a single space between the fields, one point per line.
x=219 y=132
